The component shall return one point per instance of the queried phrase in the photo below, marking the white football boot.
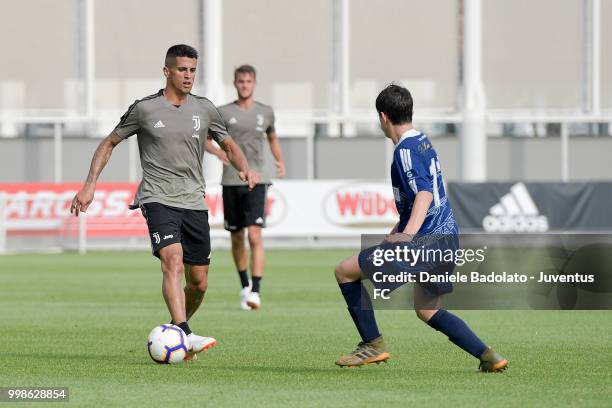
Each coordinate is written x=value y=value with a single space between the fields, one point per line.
x=244 y=294
x=198 y=344
x=253 y=300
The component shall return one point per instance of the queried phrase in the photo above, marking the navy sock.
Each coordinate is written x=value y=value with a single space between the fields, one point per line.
x=185 y=327
x=244 y=278
x=256 y=282
x=360 y=309
x=458 y=332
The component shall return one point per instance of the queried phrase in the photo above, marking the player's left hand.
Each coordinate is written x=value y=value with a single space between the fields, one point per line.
x=250 y=177
x=398 y=237
x=280 y=169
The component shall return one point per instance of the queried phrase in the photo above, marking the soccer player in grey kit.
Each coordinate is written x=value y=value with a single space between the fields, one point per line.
x=172 y=127
x=250 y=123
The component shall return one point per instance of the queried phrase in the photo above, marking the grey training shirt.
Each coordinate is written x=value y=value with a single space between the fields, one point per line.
x=249 y=129
x=170 y=141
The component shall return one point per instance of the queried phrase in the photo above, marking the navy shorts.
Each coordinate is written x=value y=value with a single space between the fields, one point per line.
x=433 y=266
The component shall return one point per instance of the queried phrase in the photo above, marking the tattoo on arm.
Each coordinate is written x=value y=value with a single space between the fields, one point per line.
x=101 y=156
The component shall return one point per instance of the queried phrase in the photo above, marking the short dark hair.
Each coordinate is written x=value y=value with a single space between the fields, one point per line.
x=245 y=69
x=179 y=50
x=396 y=102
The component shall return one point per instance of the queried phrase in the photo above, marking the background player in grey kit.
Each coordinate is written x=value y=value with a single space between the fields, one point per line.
x=250 y=123
x=172 y=125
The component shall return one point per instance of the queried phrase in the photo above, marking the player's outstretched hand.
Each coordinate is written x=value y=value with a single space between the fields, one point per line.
x=82 y=199
x=398 y=237
x=250 y=177
x=280 y=169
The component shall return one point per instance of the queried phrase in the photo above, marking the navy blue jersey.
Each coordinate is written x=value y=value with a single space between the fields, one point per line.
x=416 y=168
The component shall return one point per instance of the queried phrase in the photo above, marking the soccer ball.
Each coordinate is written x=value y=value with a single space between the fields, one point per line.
x=167 y=344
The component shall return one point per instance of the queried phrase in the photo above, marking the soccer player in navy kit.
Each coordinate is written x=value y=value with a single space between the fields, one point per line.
x=425 y=217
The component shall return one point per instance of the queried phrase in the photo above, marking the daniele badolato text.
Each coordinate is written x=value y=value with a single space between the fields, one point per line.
x=478 y=277
x=416 y=257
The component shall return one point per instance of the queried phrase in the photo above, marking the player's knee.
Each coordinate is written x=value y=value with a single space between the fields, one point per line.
x=424 y=314
x=172 y=264
x=200 y=286
x=238 y=238
x=340 y=272
x=255 y=238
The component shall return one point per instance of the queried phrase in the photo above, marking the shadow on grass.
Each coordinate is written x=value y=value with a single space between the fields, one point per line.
x=96 y=358
x=287 y=370
x=133 y=360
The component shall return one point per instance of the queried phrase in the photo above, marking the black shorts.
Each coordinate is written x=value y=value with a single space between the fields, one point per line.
x=171 y=225
x=242 y=207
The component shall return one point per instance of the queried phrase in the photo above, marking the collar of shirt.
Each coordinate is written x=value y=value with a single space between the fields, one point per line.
x=407 y=134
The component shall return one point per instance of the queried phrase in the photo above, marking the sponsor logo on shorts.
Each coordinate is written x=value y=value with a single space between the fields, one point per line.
x=259 y=220
x=168 y=237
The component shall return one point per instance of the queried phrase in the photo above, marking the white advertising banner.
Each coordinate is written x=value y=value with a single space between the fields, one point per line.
x=294 y=208
x=320 y=208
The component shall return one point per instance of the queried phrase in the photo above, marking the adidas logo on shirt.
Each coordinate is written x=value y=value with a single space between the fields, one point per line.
x=232 y=121
x=159 y=124
x=515 y=212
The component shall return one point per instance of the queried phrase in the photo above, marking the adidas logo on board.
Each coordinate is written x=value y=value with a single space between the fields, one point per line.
x=515 y=212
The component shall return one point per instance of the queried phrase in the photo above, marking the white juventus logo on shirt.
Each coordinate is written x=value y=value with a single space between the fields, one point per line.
x=260 y=122
x=196 y=119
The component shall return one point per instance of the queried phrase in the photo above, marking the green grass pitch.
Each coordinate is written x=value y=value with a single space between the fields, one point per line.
x=82 y=321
